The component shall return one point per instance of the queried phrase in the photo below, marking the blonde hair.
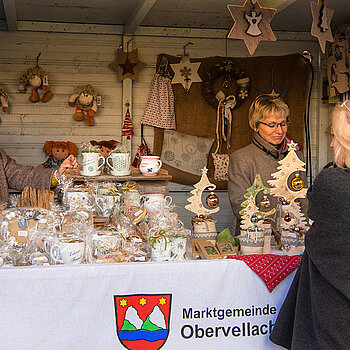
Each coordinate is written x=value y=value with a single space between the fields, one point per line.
x=263 y=106
x=341 y=131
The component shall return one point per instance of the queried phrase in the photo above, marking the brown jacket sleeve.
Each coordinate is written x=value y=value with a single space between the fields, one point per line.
x=16 y=176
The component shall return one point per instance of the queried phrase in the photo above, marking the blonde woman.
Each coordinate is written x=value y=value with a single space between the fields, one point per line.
x=316 y=312
x=269 y=118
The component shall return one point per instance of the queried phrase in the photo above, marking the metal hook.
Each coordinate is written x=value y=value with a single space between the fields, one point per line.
x=37 y=59
x=189 y=43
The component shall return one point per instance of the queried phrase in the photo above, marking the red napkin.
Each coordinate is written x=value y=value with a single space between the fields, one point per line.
x=272 y=269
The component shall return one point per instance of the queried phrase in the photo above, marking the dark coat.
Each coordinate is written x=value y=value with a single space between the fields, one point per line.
x=316 y=312
x=16 y=176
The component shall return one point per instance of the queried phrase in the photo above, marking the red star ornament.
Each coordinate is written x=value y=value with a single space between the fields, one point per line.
x=252 y=24
x=127 y=65
x=321 y=23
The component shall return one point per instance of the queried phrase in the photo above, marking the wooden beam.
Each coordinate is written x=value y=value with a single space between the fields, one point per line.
x=138 y=16
x=10 y=13
x=284 y=5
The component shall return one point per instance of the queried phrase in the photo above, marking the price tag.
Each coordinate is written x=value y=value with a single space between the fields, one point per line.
x=139 y=212
x=45 y=80
x=139 y=258
x=98 y=100
x=22 y=233
x=137 y=240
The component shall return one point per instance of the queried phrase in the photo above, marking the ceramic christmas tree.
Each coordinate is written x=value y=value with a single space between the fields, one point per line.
x=203 y=224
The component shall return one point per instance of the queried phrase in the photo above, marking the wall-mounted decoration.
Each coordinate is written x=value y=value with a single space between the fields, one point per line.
x=128 y=129
x=37 y=79
x=85 y=100
x=272 y=89
x=321 y=23
x=160 y=110
x=4 y=99
x=252 y=24
x=127 y=65
x=338 y=67
x=232 y=74
x=186 y=72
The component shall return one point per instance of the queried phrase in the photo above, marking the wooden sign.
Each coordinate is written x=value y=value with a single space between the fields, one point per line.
x=321 y=24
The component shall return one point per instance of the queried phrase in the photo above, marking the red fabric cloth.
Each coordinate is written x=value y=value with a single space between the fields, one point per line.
x=272 y=269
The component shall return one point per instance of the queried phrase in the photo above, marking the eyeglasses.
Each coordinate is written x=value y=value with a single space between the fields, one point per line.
x=345 y=105
x=274 y=126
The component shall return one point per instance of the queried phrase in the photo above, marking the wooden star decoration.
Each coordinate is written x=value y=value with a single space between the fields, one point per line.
x=321 y=23
x=127 y=65
x=252 y=24
x=186 y=73
x=274 y=91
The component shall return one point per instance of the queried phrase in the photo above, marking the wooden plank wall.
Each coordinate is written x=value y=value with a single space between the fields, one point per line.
x=80 y=54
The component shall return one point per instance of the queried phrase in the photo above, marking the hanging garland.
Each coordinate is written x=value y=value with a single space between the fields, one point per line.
x=230 y=72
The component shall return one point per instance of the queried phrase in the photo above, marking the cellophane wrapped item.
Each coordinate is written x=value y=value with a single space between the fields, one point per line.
x=22 y=232
x=107 y=197
x=75 y=197
x=168 y=237
x=132 y=240
x=73 y=243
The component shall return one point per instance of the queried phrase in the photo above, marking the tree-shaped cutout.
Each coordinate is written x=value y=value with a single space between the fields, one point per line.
x=295 y=218
x=288 y=165
x=251 y=215
x=196 y=206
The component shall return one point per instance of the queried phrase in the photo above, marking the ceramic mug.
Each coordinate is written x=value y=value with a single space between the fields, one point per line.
x=105 y=244
x=120 y=163
x=68 y=251
x=150 y=165
x=91 y=163
x=107 y=202
x=154 y=202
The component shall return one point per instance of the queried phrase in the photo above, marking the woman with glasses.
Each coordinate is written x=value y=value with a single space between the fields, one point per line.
x=316 y=312
x=269 y=118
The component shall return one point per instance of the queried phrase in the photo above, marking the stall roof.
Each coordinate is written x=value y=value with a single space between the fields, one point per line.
x=292 y=15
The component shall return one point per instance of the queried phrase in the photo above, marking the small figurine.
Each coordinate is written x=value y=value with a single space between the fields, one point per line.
x=37 y=78
x=106 y=147
x=85 y=99
x=58 y=151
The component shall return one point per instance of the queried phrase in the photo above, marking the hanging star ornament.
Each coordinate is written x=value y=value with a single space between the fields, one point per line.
x=321 y=23
x=186 y=73
x=252 y=24
x=127 y=65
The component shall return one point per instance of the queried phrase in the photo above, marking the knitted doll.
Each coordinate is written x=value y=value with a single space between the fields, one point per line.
x=84 y=98
x=37 y=79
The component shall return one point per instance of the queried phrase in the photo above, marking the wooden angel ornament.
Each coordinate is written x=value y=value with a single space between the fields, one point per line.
x=85 y=101
x=37 y=79
x=4 y=99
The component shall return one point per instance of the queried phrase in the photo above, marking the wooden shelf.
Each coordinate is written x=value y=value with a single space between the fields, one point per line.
x=148 y=184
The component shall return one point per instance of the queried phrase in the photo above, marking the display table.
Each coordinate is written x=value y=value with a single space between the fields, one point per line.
x=218 y=304
x=148 y=184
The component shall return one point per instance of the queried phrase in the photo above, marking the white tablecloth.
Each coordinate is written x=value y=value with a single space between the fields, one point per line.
x=74 y=307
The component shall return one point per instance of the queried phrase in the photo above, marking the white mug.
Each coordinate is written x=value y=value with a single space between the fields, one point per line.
x=154 y=202
x=91 y=164
x=105 y=244
x=106 y=203
x=150 y=165
x=68 y=251
x=120 y=163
